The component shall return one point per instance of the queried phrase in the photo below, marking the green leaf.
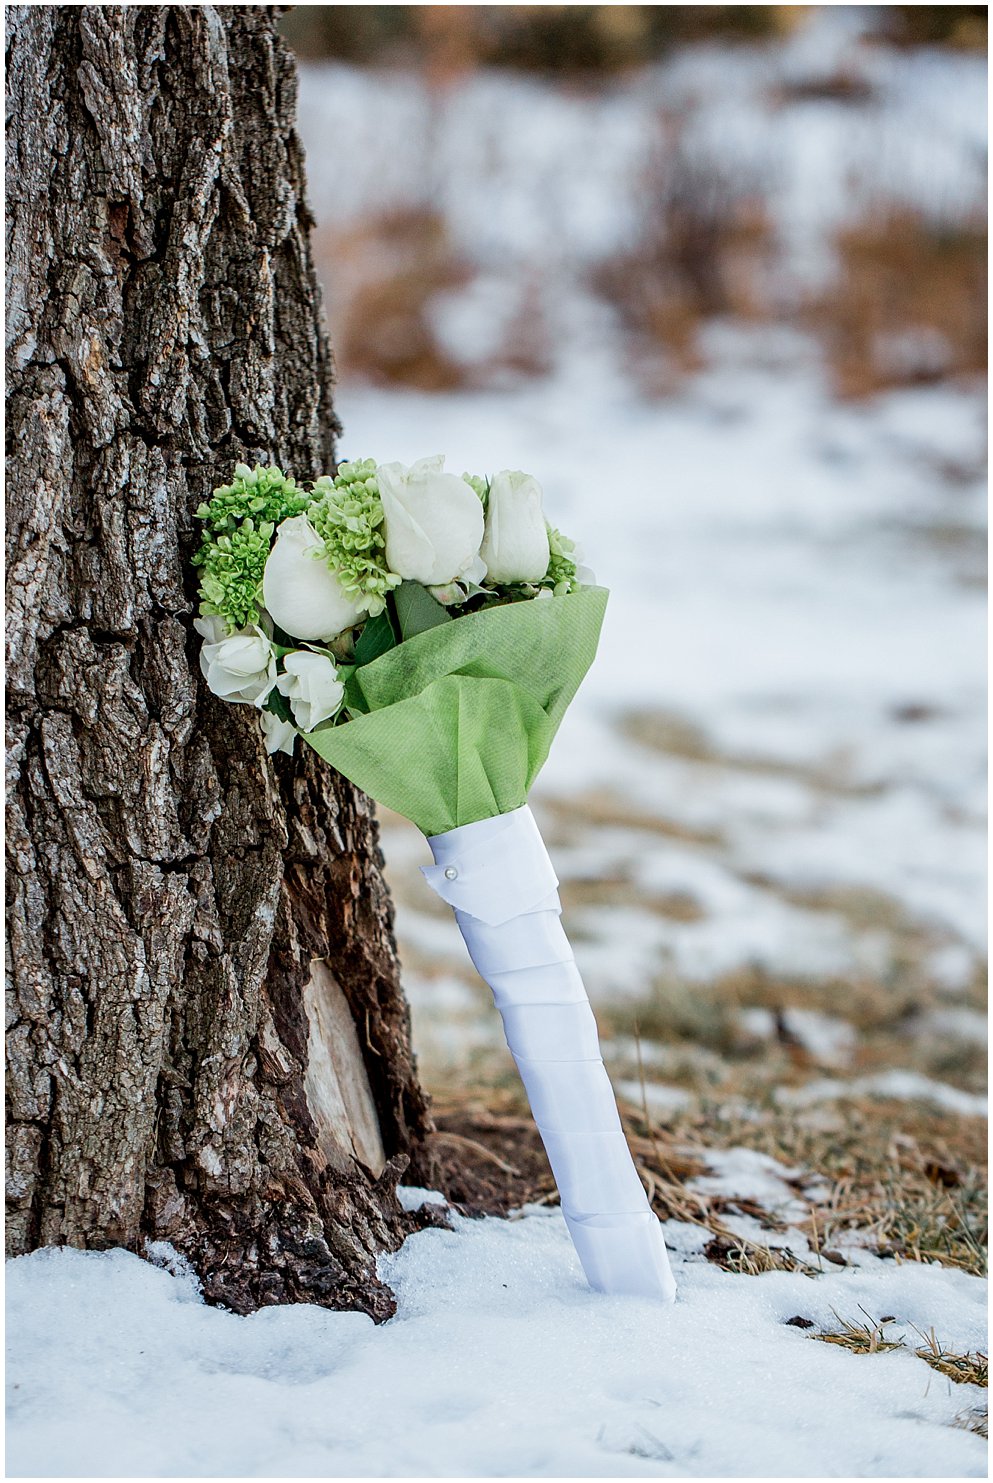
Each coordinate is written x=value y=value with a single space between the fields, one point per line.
x=277 y=703
x=354 y=701
x=417 y=610
x=377 y=638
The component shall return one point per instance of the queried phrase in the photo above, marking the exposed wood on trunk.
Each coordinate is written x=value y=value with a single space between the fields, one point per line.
x=170 y=886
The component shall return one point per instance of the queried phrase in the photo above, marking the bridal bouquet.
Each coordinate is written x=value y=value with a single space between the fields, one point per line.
x=424 y=633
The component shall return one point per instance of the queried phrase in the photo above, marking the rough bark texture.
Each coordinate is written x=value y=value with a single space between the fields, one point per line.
x=208 y=1043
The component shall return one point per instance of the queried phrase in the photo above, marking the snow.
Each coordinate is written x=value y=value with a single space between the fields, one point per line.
x=654 y=1095
x=957 y=1024
x=744 y=1174
x=499 y=1363
x=901 y=1086
x=824 y=1036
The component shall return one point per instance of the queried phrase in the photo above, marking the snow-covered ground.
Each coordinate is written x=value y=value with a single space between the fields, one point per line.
x=499 y=1363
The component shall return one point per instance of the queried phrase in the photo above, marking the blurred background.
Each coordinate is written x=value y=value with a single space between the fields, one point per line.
x=715 y=274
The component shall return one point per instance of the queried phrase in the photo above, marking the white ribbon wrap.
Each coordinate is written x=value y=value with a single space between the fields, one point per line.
x=499 y=879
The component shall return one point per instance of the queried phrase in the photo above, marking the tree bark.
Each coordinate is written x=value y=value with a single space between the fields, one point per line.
x=208 y=1043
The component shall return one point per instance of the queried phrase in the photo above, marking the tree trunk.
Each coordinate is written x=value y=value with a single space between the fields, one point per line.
x=208 y=1043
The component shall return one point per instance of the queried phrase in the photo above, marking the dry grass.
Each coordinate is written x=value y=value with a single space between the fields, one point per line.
x=908 y=306
x=964 y=1369
x=570 y=40
x=704 y=248
x=961 y=26
x=733 y=1253
x=844 y=85
x=569 y=816
x=887 y=1006
x=861 y=1337
x=673 y=735
x=868 y=1336
x=906 y=1178
x=381 y=278
x=905 y=1181
x=886 y=1021
x=677 y=906
x=928 y=1224
x=974 y=1420
x=481 y=1180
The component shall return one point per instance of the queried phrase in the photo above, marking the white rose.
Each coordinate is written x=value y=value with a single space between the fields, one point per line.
x=434 y=521
x=312 y=687
x=280 y=736
x=240 y=668
x=213 y=629
x=515 y=546
x=299 y=589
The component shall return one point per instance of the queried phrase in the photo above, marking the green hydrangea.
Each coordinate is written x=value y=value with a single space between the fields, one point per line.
x=561 y=576
x=239 y=522
x=232 y=566
x=480 y=485
x=259 y=494
x=347 y=514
